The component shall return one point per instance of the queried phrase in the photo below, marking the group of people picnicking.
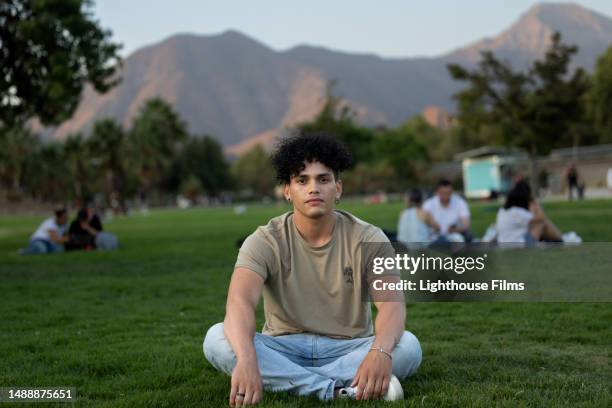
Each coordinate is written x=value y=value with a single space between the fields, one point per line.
x=445 y=218
x=84 y=233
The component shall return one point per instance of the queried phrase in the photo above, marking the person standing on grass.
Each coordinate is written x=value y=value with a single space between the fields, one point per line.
x=49 y=236
x=571 y=175
x=318 y=338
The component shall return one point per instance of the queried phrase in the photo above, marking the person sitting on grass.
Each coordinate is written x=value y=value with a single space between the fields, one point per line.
x=318 y=337
x=83 y=230
x=451 y=213
x=522 y=220
x=415 y=224
x=49 y=236
x=86 y=233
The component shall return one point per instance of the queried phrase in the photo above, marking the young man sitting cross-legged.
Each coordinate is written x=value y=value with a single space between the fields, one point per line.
x=318 y=337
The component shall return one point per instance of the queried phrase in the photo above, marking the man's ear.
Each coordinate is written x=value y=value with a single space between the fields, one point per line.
x=338 y=189
x=286 y=191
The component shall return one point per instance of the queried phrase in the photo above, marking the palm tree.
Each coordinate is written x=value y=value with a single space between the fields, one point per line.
x=155 y=137
x=46 y=173
x=108 y=148
x=78 y=164
x=16 y=145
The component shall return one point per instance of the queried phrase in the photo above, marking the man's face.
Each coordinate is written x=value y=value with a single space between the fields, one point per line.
x=313 y=191
x=62 y=220
x=444 y=194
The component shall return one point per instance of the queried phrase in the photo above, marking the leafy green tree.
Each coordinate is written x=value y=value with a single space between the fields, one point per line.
x=191 y=188
x=253 y=171
x=156 y=137
x=49 y=49
x=404 y=152
x=202 y=157
x=600 y=97
x=535 y=110
x=438 y=143
x=46 y=171
x=108 y=147
x=368 y=177
x=337 y=119
x=78 y=165
x=16 y=145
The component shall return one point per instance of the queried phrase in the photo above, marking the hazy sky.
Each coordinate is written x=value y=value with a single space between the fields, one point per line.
x=390 y=28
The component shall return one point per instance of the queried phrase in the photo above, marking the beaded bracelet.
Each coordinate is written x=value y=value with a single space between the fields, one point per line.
x=380 y=349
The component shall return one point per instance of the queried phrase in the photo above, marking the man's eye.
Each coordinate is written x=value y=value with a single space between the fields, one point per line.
x=324 y=179
x=301 y=181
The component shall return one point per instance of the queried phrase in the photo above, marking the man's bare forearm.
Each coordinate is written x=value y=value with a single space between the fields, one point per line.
x=464 y=224
x=58 y=239
x=239 y=327
x=389 y=325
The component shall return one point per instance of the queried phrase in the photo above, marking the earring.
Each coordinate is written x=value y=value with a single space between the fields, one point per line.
x=288 y=199
x=337 y=200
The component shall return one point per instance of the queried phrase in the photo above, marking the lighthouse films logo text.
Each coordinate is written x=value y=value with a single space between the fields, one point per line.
x=478 y=272
x=458 y=265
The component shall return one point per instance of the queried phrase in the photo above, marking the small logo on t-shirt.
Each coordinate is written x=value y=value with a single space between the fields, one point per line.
x=348 y=275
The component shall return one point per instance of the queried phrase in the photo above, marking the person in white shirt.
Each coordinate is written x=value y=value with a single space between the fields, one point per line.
x=522 y=220
x=49 y=236
x=449 y=211
x=415 y=225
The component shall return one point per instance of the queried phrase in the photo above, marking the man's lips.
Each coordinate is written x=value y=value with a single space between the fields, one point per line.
x=314 y=201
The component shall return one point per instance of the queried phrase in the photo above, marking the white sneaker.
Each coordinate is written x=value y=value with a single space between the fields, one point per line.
x=395 y=392
x=571 y=238
x=347 y=392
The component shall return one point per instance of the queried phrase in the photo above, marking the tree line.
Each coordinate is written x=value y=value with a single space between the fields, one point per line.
x=156 y=153
x=543 y=108
x=50 y=50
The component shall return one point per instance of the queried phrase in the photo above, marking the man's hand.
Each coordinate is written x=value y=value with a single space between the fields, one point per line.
x=90 y=230
x=459 y=228
x=58 y=239
x=246 y=383
x=239 y=327
x=373 y=376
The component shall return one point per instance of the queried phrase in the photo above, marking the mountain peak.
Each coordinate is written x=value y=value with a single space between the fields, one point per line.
x=531 y=34
x=570 y=10
x=230 y=37
x=234 y=35
x=567 y=15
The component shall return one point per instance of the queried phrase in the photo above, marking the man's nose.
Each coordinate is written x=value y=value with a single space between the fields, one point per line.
x=313 y=187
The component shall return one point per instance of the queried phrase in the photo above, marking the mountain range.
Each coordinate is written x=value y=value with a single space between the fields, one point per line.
x=242 y=92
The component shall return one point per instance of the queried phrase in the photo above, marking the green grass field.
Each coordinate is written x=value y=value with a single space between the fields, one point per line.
x=126 y=328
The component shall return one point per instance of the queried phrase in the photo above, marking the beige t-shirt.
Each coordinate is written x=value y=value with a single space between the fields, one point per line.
x=307 y=289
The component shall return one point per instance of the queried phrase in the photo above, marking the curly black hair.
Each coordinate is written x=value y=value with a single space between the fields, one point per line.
x=292 y=152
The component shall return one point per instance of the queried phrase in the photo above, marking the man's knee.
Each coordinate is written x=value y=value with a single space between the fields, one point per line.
x=217 y=350
x=36 y=247
x=407 y=356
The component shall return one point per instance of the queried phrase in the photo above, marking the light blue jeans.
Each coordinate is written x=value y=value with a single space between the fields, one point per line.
x=38 y=246
x=309 y=364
